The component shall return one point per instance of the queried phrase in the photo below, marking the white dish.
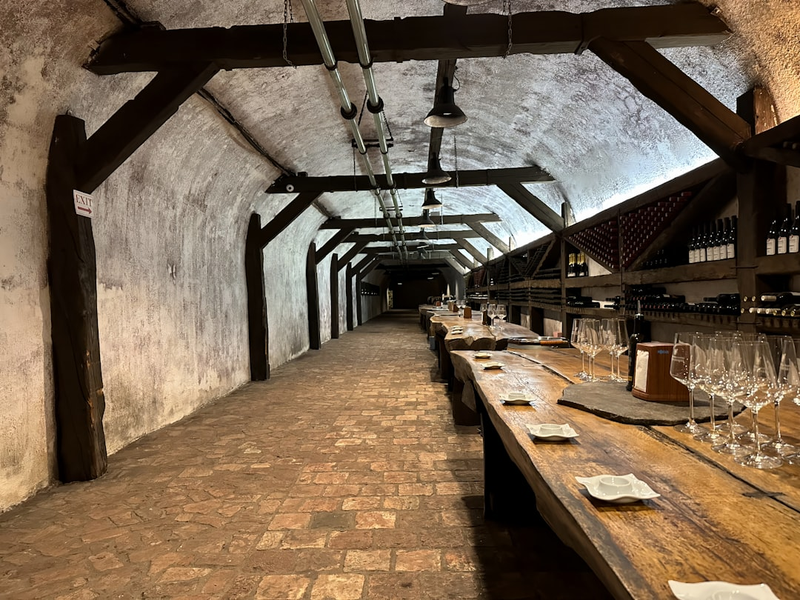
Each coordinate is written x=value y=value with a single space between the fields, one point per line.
x=483 y=355
x=619 y=489
x=552 y=432
x=516 y=398
x=720 y=590
x=492 y=365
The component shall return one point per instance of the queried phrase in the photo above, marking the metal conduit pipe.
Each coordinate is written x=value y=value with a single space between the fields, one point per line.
x=348 y=109
x=375 y=104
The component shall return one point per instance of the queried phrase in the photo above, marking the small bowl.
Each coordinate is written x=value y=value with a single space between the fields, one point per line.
x=483 y=355
x=551 y=429
x=612 y=484
x=731 y=595
x=516 y=396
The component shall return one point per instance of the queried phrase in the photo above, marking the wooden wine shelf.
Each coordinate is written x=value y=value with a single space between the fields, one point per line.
x=692 y=319
x=707 y=271
x=779 y=324
x=781 y=264
x=600 y=313
x=611 y=279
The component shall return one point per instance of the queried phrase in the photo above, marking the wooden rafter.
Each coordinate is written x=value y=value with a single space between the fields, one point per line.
x=441 y=235
x=336 y=239
x=406 y=181
x=130 y=127
x=351 y=254
x=656 y=77
x=409 y=222
x=490 y=237
x=477 y=254
x=286 y=217
x=462 y=260
x=412 y=38
x=538 y=209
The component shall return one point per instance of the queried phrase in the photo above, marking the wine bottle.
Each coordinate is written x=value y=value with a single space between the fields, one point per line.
x=783 y=233
x=691 y=246
x=772 y=238
x=701 y=247
x=713 y=245
x=781 y=298
x=794 y=232
x=571 y=266
x=732 y=237
x=722 y=246
x=584 y=265
x=636 y=337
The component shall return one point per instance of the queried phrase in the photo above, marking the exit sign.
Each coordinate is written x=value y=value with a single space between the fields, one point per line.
x=84 y=204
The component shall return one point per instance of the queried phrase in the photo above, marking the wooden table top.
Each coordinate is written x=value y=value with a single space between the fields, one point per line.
x=476 y=335
x=715 y=520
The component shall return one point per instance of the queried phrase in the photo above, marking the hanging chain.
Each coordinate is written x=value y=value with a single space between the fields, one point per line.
x=455 y=155
x=288 y=14
x=507 y=8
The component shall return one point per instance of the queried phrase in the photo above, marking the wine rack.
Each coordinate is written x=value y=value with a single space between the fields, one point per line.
x=640 y=227
x=601 y=242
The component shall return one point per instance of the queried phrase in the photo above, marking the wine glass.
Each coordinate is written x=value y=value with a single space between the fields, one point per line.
x=501 y=312
x=706 y=367
x=607 y=340
x=592 y=340
x=577 y=341
x=787 y=377
x=682 y=368
x=620 y=344
x=761 y=384
x=491 y=312
x=735 y=374
x=793 y=380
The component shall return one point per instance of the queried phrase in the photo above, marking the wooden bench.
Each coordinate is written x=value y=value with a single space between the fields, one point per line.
x=715 y=519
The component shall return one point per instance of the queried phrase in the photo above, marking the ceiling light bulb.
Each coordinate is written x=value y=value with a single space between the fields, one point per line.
x=445 y=113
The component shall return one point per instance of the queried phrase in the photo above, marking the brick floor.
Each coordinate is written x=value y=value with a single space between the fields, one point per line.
x=341 y=477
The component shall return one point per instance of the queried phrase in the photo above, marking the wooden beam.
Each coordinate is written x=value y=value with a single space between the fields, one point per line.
x=540 y=211
x=656 y=77
x=388 y=249
x=138 y=119
x=349 y=297
x=286 y=217
x=258 y=334
x=351 y=254
x=72 y=273
x=312 y=294
x=478 y=255
x=438 y=235
x=334 y=296
x=408 y=221
x=405 y=181
x=461 y=259
x=701 y=209
x=370 y=267
x=411 y=38
x=778 y=144
x=490 y=237
x=331 y=244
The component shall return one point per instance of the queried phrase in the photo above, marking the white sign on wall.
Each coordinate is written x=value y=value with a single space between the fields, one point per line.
x=84 y=204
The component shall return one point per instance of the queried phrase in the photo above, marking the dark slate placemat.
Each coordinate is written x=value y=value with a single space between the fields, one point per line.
x=611 y=401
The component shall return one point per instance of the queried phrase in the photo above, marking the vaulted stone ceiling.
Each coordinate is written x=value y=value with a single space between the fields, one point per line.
x=600 y=138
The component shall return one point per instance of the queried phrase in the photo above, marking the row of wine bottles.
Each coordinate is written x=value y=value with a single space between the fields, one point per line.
x=656 y=299
x=776 y=304
x=577 y=266
x=784 y=238
x=713 y=241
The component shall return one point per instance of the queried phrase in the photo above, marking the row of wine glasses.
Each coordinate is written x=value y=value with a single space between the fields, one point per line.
x=751 y=369
x=592 y=336
x=493 y=310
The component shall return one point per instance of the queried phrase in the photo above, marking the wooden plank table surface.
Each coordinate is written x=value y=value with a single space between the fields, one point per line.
x=476 y=335
x=714 y=520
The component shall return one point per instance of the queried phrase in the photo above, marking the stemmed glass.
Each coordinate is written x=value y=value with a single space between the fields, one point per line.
x=760 y=383
x=682 y=367
x=729 y=366
x=591 y=334
x=707 y=369
x=501 y=312
x=491 y=312
x=619 y=344
x=793 y=380
x=577 y=342
x=607 y=340
x=787 y=381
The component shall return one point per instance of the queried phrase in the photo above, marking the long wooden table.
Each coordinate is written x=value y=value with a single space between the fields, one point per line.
x=715 y=519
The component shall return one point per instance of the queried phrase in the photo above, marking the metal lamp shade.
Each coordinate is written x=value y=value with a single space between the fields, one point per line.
x=431 y=201
x=445 y=113
x=435 y=174
x=426 y=220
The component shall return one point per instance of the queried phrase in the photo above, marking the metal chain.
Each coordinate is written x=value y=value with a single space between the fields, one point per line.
x=507 y=8
x=288 y=14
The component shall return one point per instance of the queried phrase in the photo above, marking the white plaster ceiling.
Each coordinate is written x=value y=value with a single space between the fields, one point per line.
x=574 y=116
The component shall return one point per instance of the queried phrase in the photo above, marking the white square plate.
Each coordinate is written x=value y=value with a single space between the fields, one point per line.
x=720 y=590
x=564 y=433
x=492 y=366
x=640 y=490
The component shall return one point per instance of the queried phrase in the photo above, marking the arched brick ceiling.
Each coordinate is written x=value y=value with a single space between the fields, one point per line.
x=600 y=138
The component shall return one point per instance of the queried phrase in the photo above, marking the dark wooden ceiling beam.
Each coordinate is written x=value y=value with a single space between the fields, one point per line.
x=410 y=221
x=476 y=254
x=538 y=209
x=462 y=260
x=336 y=239
x=406 y=181
x=656 y=77
x=351 y=254
x=490 y=237
x=286 y=217
x=411 y=248
x=131 y=126
x=779 y=144
x=412 y=38
x=411 y=236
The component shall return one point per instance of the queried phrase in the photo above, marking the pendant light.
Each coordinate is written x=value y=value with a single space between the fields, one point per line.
x=466 y=2
x=435 y=174
x=431 y=201
x=445 y=113
x=426 y=220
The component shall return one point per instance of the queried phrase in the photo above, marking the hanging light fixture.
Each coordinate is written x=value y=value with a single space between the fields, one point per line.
x=431 y=201
x=445 y=113
x=466 y=2
x=435 y=174
x=426 y=220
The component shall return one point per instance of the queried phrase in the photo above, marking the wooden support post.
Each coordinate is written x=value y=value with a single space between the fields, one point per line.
x=72 y=271
x=286 y=217
x=357 y=270
x=335 y=296
x=257 y=327
x=349 y=297
x=312 y=293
